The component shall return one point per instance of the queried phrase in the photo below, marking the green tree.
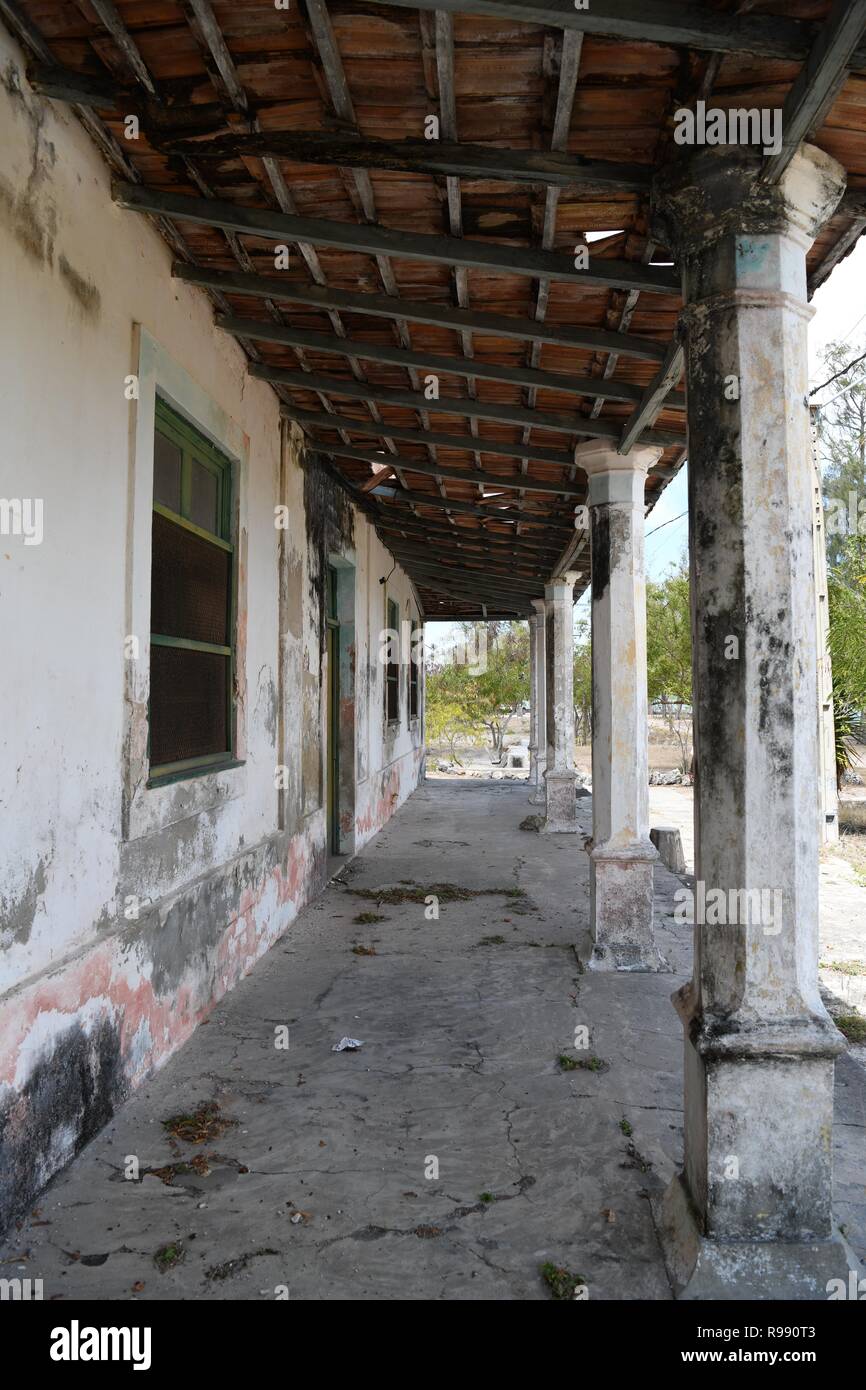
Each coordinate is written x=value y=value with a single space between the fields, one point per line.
x=465 y=698
x=846 y=588
x=582 y=682
x=840 y=438
x=840 y=441
x=669 y=655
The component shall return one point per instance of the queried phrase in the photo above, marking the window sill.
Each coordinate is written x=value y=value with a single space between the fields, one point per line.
x=185 y=774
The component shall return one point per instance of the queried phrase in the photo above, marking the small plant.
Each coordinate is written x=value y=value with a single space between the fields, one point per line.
x=366 y=919
x=363 y=950
x=492 y=941
x=486 y=1197
x=626 y=1128
x=592 y=1063
x=561 y=1282
x=567 y=1063
x=167 y=1256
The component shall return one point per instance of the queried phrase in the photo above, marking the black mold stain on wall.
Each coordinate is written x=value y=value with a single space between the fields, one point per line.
x=330 y=520
x=73 y=1090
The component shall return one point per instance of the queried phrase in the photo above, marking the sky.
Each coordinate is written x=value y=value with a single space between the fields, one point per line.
x=840 y=316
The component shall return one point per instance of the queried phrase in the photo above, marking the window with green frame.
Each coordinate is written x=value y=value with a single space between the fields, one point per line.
x=192 y=607
x=392 y=669
x=413 y=672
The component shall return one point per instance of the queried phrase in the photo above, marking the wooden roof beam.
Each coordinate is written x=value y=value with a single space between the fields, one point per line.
x=444 y=158
x=420 y=311
x=462 y=475
x=562 y=422
x=263 y=331
x=450 y=541
x=818 y=83
x=672 y=23
x=377 y=241
x=464 y=442
x=656 y=397
x=510 y=513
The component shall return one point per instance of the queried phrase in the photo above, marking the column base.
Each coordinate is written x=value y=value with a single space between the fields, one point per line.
x=621 y=909
x=701 y=1268
x=536 y=779
x=559 y=799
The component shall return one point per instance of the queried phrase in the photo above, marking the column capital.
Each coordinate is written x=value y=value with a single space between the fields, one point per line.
x=615 y=477
x=561 y=582
x=539 y=604
x=717 y=192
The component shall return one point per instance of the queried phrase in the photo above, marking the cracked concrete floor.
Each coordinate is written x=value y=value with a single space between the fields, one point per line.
x=463 y=1021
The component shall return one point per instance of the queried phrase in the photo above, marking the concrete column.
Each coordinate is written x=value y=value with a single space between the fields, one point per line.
x=750 y=1215
x=559 y=776
x=622 y=854
x=537 y=708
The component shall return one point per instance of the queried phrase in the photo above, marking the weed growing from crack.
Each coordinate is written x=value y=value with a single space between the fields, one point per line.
x=201 y=1126
x=560 y=1281
x=365 y=919
x=627 y=1129
x=198 y=1165
x=491 y=941
x=167 y=1256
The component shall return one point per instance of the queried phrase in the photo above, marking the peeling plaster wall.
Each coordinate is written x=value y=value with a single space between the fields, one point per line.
x=93 y=999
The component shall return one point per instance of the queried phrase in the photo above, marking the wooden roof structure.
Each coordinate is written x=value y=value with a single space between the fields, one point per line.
x=463 y=188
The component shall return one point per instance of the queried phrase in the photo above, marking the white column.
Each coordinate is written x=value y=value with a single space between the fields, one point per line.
x=538 y=698
x=559 y=775
x=750 y=1215
x=533 y=708
x=622 y=855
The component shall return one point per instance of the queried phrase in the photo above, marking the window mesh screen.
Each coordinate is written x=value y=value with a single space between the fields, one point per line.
x=189 y=585
x=188 y=704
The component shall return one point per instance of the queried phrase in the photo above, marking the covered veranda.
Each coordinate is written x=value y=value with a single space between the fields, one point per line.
x=502 y=303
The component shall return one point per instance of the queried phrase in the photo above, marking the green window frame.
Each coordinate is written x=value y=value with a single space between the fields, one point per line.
x=392 y=668
x=413 y=674
x=199 y=461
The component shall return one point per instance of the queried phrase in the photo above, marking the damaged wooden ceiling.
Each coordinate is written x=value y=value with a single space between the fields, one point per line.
x=452 y=258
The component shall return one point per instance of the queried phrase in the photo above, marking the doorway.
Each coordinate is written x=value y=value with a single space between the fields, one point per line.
x=333 y=750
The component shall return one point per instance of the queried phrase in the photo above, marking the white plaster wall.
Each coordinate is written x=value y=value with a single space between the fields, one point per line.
x=83 y=286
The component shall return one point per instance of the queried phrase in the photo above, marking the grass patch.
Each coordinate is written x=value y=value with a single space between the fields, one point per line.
x=366 y=919
x=491 y=941
x=853 y=1026
x=363 y=950
x=167 y=1256
x=560 y=1281
x=567 y=1063
x=592 y=1063
x=201 y=1126
x=486 y=1197
x=445 y=892
x=844 y=967
x=627 y=1129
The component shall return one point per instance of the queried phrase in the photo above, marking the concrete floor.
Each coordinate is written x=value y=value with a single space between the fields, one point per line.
x=463 y=1021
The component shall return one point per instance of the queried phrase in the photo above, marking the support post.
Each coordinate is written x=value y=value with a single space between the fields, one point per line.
x=750 y=1215
x=622 y=855
x=537 y=711
x=559 y=776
